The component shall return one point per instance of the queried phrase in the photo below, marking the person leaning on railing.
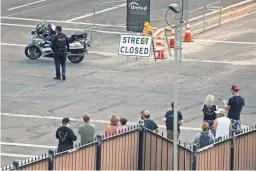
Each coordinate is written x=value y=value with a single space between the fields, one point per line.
x=205 y=137
x=87 y=130
x=149 y=123
x=65 y=135
x=122 y=126
x=111 y=129
x=222 y=125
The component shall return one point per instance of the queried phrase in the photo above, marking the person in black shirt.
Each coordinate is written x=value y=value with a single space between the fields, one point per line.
x=65 y=135
x=60 y=47
x=208 y=110
x=168 y=119
x=148 y=123
x=234 y=107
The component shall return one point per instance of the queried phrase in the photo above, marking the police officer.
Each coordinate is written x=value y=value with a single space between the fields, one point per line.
x=60 y=47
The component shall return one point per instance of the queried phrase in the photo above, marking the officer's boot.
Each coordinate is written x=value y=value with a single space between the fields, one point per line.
x=63 y=65
x=63 y=76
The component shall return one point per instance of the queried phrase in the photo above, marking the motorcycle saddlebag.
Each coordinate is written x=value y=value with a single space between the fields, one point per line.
x=78 y=35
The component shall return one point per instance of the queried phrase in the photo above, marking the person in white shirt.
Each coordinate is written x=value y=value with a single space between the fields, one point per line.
x=222 y=125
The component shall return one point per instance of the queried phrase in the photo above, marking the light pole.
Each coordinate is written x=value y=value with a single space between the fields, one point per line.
x=178 y=24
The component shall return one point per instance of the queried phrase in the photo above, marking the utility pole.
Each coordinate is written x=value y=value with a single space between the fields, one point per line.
x=175 y=111
x=181 y=28
x=178 y=58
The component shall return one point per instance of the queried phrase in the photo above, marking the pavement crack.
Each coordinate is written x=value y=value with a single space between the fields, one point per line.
x=90 y=73
x=60 y=107
x=105 y=108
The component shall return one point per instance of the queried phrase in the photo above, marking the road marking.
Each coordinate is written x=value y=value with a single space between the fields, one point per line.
x=69 y=29
x=80 y=120
x=36 y=2
x=98 y=12
x=27 y=145
x=185 y=60
x=16 y=155
x=92 y=52
x=63 y=22
x=110 y=2
x=201 y=88
x=225 y=41
x=12 y=44
x=32 y=26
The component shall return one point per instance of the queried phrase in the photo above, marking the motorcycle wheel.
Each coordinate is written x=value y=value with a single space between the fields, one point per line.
x=76 y=59
x=32 y=52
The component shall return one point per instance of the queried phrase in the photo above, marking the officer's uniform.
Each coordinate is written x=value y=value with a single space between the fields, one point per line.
x=60 y=47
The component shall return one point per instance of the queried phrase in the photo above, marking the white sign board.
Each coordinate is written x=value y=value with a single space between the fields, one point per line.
x=135 y=45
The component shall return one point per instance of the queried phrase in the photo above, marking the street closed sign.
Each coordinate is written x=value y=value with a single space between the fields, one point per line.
x=135 y=45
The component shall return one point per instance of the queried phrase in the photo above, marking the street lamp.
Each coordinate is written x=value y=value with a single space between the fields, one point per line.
x=178 y=24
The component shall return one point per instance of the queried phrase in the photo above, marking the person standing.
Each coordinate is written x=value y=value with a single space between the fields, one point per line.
x=60 y=47
x=87 y=130
x=65 y=135
x=168 y=119
x=234 y=107
x=111 y=129
x=208 y=110
x=122 y=127
x=222 y=125
x=148 y=123
x=205 y=137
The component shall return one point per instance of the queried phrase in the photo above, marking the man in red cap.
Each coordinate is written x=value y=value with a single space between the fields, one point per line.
x=234 y=107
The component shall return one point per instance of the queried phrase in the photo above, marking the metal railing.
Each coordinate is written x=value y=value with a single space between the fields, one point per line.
x=141 y=149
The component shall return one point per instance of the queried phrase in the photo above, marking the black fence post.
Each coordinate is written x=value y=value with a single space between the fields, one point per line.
x=15 y=165
x=194 y=157
x=98 y=155
x=50 y=159
x=141 y=145
x=232 y=157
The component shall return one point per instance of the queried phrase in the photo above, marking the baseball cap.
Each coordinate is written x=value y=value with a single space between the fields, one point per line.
x=145 y=112
x=220 y=111
x=235 y=87
x=65 y=120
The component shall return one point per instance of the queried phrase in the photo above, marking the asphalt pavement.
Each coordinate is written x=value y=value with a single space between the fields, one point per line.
x=105 y=84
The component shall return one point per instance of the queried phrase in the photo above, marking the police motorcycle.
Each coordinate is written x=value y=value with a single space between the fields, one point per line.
x=40 y=45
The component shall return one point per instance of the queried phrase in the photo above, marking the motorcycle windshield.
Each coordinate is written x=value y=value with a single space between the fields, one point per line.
x=52 y=27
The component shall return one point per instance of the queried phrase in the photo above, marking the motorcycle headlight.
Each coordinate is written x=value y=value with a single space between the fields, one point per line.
x=38 y=42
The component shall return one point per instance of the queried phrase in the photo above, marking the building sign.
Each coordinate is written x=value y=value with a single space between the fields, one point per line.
x=135 y=45
x=138 y=12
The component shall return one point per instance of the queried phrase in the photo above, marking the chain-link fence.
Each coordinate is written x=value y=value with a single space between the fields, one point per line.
x=210 y=15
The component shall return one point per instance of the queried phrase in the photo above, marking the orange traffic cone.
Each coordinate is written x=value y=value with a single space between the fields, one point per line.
x=188 y=36
x=161 y=53
x=158 y=41
x=172 y=40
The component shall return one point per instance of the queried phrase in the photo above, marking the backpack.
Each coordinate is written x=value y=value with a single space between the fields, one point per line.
x=204 y=140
